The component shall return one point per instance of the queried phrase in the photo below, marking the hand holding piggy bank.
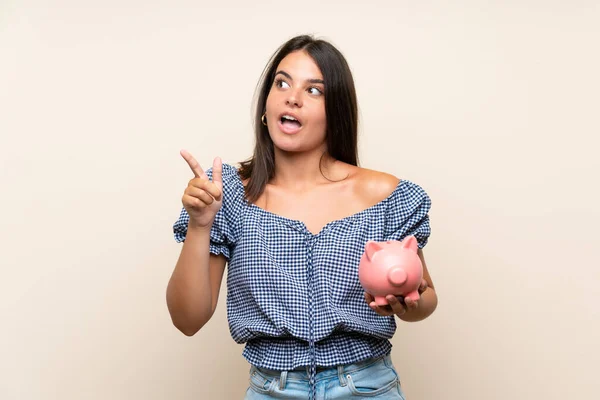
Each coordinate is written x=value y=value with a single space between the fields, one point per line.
x=391 y=267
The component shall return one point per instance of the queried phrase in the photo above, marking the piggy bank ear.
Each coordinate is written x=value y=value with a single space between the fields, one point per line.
x=371 y=248
x=410 y=243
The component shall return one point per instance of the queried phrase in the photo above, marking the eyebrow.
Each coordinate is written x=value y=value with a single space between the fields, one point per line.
x=308 y=80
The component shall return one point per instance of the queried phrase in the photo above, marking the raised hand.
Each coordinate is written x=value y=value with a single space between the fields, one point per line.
x=203 y=198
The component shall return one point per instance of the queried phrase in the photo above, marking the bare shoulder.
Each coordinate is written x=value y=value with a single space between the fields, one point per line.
x=373 y=186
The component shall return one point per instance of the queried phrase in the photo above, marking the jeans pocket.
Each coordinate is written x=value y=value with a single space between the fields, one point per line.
x=261 y=383
x=372 y=381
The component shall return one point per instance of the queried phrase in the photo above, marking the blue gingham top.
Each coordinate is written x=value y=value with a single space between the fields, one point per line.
x=293 y=297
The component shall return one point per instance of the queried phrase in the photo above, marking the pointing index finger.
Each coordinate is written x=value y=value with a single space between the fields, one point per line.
x=194 y=165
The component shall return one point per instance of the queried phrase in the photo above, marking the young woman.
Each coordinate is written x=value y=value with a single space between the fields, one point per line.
x=292 y=223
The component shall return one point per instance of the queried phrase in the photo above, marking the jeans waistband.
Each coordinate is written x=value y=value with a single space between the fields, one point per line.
x=302 y=372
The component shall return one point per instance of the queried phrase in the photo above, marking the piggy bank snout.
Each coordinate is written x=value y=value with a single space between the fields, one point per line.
x=397 y=276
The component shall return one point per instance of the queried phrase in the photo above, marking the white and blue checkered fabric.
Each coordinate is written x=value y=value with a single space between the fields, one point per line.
x=293 y=296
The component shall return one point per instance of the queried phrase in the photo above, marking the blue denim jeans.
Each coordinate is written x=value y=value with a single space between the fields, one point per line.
x=374 y=378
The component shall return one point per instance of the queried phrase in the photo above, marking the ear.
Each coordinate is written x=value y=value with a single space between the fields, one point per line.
x=371 y=248
x=410 y=243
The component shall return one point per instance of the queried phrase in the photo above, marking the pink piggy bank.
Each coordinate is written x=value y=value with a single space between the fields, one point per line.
x=391 y=267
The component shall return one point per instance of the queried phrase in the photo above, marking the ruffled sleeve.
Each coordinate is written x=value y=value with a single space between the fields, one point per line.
x=407 y=214
x=225 y=229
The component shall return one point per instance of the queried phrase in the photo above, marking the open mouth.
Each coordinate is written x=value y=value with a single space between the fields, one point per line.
x=288 y=120
x=289 y=124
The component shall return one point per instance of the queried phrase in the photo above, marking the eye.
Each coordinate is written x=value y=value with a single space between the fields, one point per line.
x=315 y=91
x=280 y=83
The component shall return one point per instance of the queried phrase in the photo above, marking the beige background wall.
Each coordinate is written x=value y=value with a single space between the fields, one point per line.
x=493 y=107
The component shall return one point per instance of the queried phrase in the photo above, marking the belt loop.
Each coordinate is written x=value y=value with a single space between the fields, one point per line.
x=341 y=375
x=282 y=380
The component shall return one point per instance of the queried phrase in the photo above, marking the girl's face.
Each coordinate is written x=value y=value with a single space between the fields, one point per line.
x=296 y=104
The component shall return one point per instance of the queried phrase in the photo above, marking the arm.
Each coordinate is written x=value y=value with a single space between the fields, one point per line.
x=193 y=289
x=427 y=303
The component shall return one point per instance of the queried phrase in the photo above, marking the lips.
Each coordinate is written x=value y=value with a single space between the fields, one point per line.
x=289 y=123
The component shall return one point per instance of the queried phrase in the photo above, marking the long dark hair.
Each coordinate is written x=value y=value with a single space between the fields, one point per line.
x=340 y=110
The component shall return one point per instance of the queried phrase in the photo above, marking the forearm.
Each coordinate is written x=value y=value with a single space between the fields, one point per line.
x=427 y=305
x=189 y=296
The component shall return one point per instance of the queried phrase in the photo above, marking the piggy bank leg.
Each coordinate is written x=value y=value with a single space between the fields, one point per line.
x=381 y=301
x=414 y=296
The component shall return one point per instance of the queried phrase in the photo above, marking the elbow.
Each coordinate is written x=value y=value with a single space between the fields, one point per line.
x=189 y=332
x=188 y=329
x=188 y=321
x=189 y=325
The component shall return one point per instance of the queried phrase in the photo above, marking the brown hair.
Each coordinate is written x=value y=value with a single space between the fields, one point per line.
x=340 y=110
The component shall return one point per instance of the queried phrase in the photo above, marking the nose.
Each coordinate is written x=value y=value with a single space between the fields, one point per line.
x=293 y=99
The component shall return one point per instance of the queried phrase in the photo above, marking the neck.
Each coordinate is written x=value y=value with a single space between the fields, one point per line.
x=301 y=170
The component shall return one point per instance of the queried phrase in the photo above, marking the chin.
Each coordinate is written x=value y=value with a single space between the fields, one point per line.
x=297 y=147
x=295 y=143
x=289 y=147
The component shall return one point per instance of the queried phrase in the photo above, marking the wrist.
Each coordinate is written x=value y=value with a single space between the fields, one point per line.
x=195 y=228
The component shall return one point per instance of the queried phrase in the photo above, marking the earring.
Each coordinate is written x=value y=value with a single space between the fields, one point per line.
x=263 y=119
